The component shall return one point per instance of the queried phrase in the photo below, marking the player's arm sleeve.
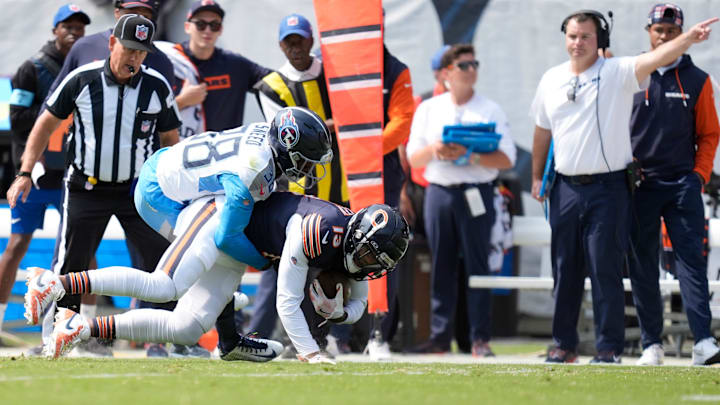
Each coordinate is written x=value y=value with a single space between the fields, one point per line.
x=707 y=131
x=357 y=302
x=292 y=275
x=400 y=113
x=230 y=234
x=24 y=106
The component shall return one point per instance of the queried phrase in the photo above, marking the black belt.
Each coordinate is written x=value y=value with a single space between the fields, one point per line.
x=584 y=179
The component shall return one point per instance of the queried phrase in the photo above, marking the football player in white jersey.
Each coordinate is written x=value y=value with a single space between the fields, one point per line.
x=288 y=226
x=242 y=163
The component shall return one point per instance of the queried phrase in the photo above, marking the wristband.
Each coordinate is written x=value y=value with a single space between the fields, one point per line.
x=22 y=174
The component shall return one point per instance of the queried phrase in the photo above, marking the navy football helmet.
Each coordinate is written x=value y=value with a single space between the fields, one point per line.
x=301 y=141
x=375 y=240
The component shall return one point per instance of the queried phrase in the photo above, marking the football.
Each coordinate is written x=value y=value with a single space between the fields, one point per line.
x=328 y=280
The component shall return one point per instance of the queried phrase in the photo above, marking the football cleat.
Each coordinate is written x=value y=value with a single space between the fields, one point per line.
x=70 y=328
x=254 y=349
x=44 y=287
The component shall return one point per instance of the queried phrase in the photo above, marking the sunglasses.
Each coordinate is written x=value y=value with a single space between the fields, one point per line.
x=573 y=91
x=201 y=25
x=465 y=65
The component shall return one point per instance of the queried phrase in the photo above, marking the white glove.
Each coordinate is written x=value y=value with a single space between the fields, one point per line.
x=316 y=358
x=328 y=308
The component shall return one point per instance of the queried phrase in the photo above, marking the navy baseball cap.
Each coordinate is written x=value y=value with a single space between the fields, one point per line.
x=436 y=61
x=205 y=5
x=295 y=24
x=68 y=11
x=665 y=13
x=135 y=32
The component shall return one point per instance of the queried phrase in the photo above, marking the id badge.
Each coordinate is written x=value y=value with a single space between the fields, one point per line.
x=475 y=202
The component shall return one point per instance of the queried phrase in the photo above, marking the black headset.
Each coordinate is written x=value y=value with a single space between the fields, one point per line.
x=603 y=31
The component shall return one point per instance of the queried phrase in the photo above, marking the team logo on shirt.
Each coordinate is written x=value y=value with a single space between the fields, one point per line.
x=141 y=32
x=145 y=126
x=288 y=131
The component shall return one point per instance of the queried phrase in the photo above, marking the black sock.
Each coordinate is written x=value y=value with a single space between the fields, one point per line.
x=227 y=332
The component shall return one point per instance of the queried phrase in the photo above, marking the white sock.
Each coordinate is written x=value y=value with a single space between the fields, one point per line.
x=130 y=282
x=88 y=311
x=3 y=307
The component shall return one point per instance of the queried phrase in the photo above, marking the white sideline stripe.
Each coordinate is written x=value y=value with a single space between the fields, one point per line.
x=359 y=134
x=365 y=182
x=357 y=84
x=334 y=39
x=248 y=278
x=253 y=375
x=546 y=283
x=701 y=398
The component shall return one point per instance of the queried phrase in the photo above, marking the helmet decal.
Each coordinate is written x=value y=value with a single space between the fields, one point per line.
x=288 y=131
x=383 y=217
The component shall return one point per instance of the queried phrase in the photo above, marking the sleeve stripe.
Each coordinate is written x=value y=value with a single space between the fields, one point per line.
x=317 y=235
x=305 y=236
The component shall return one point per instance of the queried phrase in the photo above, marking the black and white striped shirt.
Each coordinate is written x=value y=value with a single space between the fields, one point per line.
x=115 y=125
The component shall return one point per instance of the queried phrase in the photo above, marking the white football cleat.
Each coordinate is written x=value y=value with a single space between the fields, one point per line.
x=652 y=355
x=44 y=287
x=706 y=352
x=254 y=349
x=378 y=350
x=70 y=328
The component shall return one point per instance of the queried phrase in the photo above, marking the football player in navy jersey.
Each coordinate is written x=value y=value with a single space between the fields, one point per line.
x=299 y=231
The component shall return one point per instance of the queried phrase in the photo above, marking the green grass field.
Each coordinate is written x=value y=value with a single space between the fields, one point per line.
x=160 y=382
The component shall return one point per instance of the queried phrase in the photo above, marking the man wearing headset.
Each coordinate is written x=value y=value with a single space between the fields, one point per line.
x=674 y=129
x=584 y=106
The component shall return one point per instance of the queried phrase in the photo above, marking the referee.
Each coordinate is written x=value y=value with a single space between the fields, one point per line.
x=117 y=105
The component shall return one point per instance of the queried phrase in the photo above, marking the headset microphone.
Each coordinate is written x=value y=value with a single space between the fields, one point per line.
x=131 y=69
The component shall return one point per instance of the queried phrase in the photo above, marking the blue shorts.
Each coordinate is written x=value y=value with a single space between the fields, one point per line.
x=30 y=215
x=154 y=207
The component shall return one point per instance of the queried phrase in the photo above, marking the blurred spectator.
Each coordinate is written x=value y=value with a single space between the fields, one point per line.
x=227 y=76
x=674 y=130
x=459 y=208
x=30 y=85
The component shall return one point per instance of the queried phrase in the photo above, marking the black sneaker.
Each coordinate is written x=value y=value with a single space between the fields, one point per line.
x=558 y=355
x=254 y=349
x=193 y=351
x=605 y=358
x=156 y=350
x=430 y=347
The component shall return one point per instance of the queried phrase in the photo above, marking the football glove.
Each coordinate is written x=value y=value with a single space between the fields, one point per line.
x=328 y=308
x=316 y=358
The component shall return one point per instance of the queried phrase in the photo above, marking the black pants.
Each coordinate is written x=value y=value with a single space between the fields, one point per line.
x=86 y=214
